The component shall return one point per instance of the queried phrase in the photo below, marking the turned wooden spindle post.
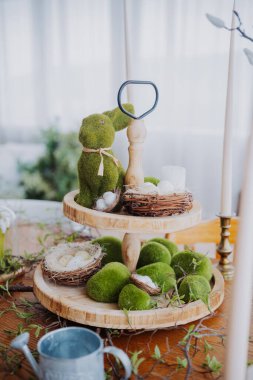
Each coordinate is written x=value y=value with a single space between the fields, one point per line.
x=136 y=133
x=131 y=246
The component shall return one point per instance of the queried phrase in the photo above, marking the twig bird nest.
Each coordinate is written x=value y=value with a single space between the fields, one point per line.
x=145 y=283
x=72 y=263
x=156 y=205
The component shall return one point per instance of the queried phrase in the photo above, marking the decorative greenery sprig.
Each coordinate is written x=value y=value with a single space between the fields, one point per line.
x=8 y=263
x=194 y=341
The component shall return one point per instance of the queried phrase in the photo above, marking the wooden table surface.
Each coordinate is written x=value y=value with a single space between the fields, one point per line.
x=157 y=354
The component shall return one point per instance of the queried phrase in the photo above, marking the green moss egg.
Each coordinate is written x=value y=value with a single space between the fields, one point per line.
x=161 y=274
x=194 y=287
x=153 y=252
x=111 y=246
x=172 y=247
x=105 y=285
x=185 y=263
x=133 y=298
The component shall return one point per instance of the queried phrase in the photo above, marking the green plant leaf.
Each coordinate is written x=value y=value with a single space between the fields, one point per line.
x=187 y=336
x=136 y=361
x=157 y=354
x=126 y=312
x=5 y=288
x=207 y=347
x=212 y=364
x=181 y=362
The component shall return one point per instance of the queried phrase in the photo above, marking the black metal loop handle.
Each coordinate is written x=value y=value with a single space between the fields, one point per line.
x=137 y=82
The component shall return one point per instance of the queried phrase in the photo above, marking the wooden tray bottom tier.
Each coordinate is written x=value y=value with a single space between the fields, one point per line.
x=73 y=304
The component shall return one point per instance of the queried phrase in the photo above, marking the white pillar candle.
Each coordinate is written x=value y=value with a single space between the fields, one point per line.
x=240 y=308
x=226 y=185
x=175 y=175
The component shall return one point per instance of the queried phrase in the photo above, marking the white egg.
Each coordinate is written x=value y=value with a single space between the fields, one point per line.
x=75 y=263
x=64 y=260
x=147 y=184
x=109 y=198
x=148 y=188
x=85 y=255
x=165 y=187
x=175 y=175
x=100 y=205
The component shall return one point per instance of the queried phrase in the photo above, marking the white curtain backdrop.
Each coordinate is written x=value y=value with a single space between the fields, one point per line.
x=61 y=60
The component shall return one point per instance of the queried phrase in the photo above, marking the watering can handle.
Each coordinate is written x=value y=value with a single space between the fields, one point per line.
x=122 y=356
x=137 y=82
x=21 y=343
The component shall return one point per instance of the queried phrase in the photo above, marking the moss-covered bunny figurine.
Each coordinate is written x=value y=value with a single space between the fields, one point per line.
x=98 y=169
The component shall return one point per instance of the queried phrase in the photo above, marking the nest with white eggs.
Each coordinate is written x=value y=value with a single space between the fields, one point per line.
x=72 y=263
x=151 y=200
x=109 y=202
x=145 y=283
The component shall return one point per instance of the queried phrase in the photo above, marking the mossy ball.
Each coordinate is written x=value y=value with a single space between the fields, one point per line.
x=161 y=274
x=172 y=247
x=153 y=252
x=153 y=180
x=194 y=287
x=133 y=298
x=185 y=263
x=111 y=246
x=105 y=285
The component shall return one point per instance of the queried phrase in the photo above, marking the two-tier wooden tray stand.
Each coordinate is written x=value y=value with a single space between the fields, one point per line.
x=72 y=302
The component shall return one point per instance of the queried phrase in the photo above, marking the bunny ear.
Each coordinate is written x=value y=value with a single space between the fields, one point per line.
x=118 y=118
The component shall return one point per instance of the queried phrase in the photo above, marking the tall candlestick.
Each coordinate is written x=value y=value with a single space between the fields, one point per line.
x=226 y=187
x=128 y=58
x=240 y=310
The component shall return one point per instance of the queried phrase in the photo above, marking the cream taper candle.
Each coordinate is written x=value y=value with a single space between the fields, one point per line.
x=240 y=310
x=128 y=52
x=226 y=186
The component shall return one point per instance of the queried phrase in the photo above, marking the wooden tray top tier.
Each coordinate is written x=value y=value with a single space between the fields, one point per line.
x=73 y=303
x=128 y=223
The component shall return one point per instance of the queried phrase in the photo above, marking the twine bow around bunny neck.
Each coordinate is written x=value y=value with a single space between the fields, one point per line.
x=102 y=152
